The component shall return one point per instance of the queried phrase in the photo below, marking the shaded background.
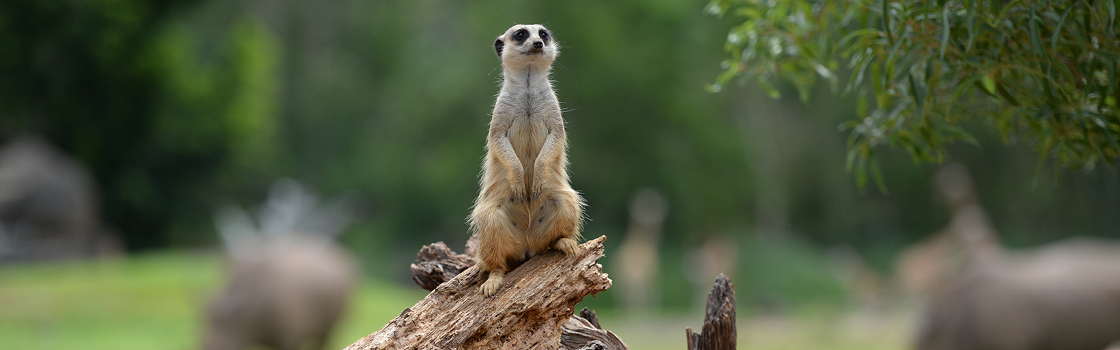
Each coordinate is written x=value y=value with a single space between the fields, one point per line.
x=178 y=107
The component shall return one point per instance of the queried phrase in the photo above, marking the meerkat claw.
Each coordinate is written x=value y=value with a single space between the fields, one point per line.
x=490 y=287
x=566 y=245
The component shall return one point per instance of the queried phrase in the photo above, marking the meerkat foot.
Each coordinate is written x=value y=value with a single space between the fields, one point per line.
x=566 y=245
x=491 y=285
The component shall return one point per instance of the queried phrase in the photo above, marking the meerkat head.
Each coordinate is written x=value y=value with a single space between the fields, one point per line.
x=526 y=45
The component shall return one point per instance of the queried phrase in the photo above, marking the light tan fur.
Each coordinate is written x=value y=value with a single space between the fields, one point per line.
x=526 y=204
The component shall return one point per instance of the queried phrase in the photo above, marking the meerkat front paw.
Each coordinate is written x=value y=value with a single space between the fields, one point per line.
x=539 y=179
x=491 y=285
x=535 y=192
x=518 y=189
x=566 y=245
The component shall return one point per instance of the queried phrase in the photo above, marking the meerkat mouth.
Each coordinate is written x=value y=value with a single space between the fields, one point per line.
x=535 y=51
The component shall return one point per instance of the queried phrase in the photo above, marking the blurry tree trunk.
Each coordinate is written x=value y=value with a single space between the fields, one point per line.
x=719 y=331
x=529 y=311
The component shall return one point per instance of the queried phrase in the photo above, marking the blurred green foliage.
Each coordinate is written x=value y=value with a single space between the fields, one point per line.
x=165 y=124
x=1041 y=69
x=181 y=106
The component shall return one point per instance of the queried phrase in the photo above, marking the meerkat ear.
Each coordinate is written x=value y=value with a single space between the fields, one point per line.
x=498 y=45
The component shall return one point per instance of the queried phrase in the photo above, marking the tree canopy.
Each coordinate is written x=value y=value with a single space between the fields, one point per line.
x=1043 y=70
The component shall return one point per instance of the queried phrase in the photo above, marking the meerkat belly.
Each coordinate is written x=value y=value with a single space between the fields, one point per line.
x=527 y=135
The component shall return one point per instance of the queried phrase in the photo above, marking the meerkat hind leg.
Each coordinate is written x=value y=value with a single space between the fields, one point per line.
x=492 y=284
x=499 y=244
x=560 y=217
x=566 y=245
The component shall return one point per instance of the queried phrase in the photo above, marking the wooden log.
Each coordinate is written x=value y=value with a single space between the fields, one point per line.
x=528 y=312
x=583 y=332
x=436 y=263
x=719 y=331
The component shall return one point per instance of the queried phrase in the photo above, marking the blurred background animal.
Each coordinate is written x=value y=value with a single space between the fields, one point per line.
x=48 y=205
x=289 y=282
x=637 y=277
x=1065 y=295
x=968 y=240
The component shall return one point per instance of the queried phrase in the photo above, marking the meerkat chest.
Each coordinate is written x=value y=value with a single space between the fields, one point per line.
x=529 y=126
x=527 y=134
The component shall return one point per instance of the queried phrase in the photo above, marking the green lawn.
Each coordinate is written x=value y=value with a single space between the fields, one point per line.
x=152 y=301
x=155 y=301
x=832 y=332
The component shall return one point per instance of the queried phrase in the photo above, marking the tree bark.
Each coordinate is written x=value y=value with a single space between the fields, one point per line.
x=583 y=332
x=528 y=312
x=719 y=331
x=436 y=263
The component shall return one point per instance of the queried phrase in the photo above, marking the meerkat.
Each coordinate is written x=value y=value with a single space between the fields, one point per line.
x=525 y=204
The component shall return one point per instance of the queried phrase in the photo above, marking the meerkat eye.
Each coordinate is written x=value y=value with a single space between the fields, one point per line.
x=520 y=35
x=544 y=35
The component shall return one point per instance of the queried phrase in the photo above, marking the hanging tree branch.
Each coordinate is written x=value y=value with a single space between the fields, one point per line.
x=1046 y=70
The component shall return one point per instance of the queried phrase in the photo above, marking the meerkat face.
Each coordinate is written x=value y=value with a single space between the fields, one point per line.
x=528 y=45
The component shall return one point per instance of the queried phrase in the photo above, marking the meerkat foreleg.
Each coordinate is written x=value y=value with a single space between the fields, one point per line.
x=548 y=161
x=515 y=172
x=502 y=149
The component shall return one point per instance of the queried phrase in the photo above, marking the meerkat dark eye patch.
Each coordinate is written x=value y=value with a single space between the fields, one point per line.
x=520 y=35
x=498 y=45
x=544 y=35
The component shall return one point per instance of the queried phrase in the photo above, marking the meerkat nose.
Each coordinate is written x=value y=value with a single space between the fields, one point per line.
x=538 y=44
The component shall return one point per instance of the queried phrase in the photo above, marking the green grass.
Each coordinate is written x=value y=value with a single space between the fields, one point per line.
x=833 y=331
x=156 y=301
x=152 y=301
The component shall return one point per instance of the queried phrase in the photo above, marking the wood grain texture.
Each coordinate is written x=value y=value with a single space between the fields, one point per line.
x=436 y=263
x=528 y=312
x=583 y=332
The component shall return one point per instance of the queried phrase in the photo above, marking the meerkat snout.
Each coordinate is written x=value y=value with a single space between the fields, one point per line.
x=538 y=44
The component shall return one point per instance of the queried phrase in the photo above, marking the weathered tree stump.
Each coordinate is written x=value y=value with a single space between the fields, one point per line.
x=436 y=263
x=583 y=332
x=528 y=312
x=719 y=331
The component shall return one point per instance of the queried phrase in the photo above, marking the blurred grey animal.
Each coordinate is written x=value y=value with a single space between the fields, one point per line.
x=289 y=281
x=636 y=278
x=968 y=240
x=48 y=205
x=1062 y=296
x=1048 y=304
